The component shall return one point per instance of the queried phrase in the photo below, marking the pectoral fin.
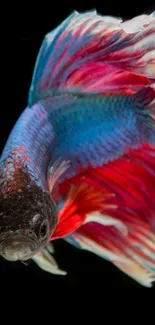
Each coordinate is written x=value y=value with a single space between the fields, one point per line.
x=46 y=261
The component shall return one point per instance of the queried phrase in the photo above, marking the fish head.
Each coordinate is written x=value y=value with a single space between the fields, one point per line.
x=28 y=216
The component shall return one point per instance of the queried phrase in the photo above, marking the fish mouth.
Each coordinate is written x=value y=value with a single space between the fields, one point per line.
x=18 y=247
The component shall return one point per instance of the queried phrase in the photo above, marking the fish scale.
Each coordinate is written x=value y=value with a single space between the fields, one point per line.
x=93 y=120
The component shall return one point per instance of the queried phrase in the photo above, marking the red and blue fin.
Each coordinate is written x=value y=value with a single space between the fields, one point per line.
x=90 y=53
x=116 y=208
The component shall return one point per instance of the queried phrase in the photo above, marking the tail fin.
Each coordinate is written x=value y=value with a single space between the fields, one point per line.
x=91 y=53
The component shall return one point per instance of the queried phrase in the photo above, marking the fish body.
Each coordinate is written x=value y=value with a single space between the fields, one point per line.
x=79 y=163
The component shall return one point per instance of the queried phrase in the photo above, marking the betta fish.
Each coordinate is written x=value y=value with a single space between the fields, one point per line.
x=79 y=163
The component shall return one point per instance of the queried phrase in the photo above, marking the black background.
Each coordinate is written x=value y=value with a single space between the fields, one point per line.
x=23 y=30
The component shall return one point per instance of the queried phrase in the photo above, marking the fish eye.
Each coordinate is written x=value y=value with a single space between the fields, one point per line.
x=43 y=230
x=40 y=226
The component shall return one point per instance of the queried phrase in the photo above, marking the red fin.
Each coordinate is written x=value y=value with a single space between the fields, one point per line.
x=132 y=179
x=81 y=200
x=119 y=224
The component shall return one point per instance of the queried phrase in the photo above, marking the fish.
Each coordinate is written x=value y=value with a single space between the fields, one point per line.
x=79 y=163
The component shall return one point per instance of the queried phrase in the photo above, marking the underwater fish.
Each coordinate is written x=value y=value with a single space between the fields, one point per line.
x=79 y=163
